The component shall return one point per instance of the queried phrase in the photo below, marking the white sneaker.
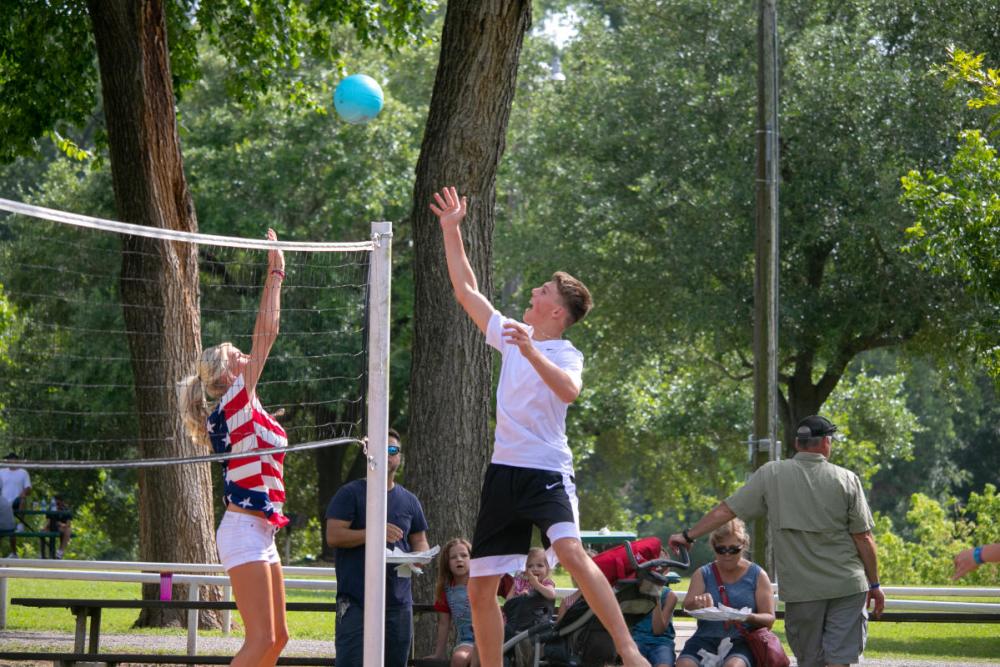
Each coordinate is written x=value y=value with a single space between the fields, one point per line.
x=59 y=554
x=19 y=528
x=13 y=554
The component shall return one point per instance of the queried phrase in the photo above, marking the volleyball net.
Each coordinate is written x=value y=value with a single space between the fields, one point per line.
x=97 y=325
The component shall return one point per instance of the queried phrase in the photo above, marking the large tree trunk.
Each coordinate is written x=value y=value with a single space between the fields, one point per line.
x=449 y=434
x=159 y=285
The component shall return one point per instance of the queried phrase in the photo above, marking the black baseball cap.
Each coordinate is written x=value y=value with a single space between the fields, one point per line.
x=815 y=427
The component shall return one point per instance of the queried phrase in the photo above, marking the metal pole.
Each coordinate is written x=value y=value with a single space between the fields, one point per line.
x=193 y=595
x=765 y=331
x=378 y=429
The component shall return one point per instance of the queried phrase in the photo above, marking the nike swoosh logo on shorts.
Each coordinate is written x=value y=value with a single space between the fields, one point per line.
x=549 y=487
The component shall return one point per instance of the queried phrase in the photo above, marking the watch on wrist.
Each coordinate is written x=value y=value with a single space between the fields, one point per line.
x=687 y=538
x=874 y=585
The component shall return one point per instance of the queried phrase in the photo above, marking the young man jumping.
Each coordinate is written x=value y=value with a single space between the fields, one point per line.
x=530 y=477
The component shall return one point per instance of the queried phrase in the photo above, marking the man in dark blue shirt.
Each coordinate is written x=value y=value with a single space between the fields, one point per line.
x=406 y=528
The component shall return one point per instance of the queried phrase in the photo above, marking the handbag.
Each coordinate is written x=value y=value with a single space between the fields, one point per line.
x=764 y=645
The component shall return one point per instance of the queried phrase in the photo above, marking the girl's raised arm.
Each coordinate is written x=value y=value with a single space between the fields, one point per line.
x=265 y=331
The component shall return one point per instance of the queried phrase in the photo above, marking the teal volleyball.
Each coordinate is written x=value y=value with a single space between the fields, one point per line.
x=358 y=98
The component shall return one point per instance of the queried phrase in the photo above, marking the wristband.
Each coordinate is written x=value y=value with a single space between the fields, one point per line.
x=873 y=586
x=977 y=555
x=687 y=538
x=279 y=273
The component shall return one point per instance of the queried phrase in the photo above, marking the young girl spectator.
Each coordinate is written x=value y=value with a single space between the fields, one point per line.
x=530 y=595
x=654 y=634
x=452 y=603
x=535 y=577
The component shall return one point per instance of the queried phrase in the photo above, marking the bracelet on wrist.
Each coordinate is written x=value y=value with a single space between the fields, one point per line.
x=874 y=585
x=687 y=538
x=279 y=273
x=977 y=555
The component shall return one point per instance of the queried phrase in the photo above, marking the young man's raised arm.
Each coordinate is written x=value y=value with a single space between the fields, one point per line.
x=450 y=211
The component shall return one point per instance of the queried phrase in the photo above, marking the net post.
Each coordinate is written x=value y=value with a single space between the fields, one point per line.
x=378 y=427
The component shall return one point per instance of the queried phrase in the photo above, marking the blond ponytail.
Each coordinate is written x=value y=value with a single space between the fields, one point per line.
x=208 y=380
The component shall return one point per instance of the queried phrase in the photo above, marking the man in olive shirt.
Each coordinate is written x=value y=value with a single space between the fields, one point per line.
x=824 y=551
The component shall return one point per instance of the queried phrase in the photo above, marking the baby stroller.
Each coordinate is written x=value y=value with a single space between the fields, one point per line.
x=578 y=639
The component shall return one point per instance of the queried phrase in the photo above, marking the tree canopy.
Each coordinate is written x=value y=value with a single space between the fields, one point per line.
x=49 y=81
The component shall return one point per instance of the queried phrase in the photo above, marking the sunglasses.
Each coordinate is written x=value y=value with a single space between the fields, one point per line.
x=393 y=450
x=732 y=550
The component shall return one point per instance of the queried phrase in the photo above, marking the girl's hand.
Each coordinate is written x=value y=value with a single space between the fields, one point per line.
x=448 y=208
x=530 y=576
x=275 y=256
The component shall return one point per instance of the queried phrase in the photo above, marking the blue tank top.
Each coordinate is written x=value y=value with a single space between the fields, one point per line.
x=741 y=593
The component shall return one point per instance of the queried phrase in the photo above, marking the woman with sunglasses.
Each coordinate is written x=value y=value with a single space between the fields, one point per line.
x=746 y=585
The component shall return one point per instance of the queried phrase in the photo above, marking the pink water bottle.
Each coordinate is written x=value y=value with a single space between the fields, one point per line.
x=166 y=585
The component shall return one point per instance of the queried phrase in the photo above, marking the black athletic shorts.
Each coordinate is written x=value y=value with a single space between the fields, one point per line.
x=513 y=500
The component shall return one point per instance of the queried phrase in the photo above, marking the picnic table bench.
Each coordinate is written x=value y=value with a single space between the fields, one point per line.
x=47 y=540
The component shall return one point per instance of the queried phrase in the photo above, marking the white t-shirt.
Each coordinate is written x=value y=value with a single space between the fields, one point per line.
x=531 y=420
x=12 y=482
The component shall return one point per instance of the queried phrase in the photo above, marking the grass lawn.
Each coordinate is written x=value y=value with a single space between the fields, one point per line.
x=936 y=642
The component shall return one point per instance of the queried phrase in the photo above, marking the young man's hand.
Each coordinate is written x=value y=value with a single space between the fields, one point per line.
x=516 y=333
x=448 y=208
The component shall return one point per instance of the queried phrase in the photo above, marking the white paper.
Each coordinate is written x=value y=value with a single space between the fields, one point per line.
x=721 y=613
x=716 y=659
x=410 y=562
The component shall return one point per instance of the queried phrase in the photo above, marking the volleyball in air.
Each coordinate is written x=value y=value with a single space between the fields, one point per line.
x=358 y=98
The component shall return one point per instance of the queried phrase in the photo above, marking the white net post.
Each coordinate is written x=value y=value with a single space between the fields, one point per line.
x=378 y=427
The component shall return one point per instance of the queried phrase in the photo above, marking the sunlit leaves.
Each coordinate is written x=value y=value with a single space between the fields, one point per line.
x=956 y=212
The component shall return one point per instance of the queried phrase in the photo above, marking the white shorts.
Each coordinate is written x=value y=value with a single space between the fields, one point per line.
x=245 y=538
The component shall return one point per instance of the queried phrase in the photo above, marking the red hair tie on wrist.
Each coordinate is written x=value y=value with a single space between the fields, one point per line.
x=279 y=273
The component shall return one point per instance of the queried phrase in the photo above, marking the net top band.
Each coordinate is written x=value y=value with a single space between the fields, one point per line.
x=173 y=235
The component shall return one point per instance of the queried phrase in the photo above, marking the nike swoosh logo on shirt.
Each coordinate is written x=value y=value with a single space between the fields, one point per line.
x=549 y=487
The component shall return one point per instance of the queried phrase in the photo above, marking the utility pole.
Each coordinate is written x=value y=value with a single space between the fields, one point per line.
x=764 y=445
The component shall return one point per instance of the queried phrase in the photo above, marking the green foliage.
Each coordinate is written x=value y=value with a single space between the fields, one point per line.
x=967 y=69
x=956 y=212
x=939 y=532
x=305 y=541
x=47 y=71
x=873 y=407
x=48 y=77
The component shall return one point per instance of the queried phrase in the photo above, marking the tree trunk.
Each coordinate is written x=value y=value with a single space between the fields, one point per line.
x=159 y=284
x=803 y=397
x=449 y=435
